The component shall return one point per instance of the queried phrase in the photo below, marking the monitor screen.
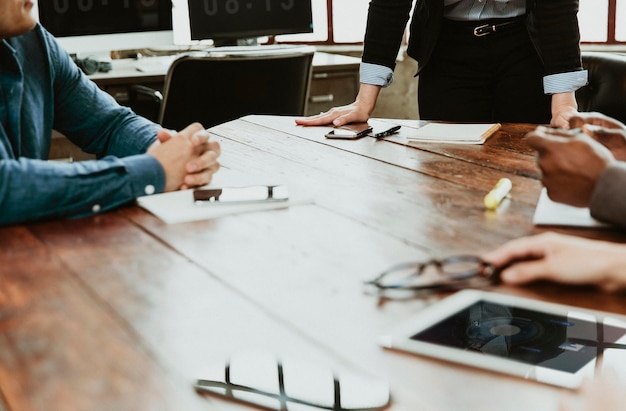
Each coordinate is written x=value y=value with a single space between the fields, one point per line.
x=225 y=21
x=84 y=26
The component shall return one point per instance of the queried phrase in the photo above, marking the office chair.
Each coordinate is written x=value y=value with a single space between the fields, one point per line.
x=217 y=87
x=606 y=90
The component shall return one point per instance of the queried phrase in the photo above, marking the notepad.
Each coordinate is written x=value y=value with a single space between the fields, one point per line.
x=455 y=133
x=549 y=212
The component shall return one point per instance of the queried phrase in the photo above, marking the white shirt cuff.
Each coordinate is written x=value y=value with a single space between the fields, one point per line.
x=376 y=75
x=564 y=82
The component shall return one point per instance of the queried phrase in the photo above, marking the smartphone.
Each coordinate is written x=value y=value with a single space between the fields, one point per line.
x=241 y=195
x=350 y=131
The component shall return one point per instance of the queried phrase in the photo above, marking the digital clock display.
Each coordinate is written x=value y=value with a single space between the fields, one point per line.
x=85 y=17
x=215 y=7
x=210 y=19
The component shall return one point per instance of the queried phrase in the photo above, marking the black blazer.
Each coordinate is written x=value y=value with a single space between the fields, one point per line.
x=552 y=25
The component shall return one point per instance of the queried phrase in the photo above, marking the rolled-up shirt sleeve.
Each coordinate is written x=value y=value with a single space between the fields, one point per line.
x=376 y=75
x=565 y=82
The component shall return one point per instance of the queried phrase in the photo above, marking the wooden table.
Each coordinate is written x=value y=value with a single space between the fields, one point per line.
x=121 y=311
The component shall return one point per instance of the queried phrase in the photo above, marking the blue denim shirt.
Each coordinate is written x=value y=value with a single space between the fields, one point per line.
x=40 y=89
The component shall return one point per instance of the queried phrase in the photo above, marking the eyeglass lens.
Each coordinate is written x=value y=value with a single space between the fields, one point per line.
x=452 y=272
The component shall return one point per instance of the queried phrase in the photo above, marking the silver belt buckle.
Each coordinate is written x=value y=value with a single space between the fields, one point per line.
x=480 y=30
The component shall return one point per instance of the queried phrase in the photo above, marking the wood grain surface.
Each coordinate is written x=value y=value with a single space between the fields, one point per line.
x=122 y=312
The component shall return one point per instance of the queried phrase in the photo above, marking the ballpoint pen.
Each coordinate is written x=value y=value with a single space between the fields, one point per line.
x=381 y=134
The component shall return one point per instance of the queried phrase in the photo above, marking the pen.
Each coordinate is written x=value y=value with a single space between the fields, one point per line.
x=502 y=188
x=386 y=133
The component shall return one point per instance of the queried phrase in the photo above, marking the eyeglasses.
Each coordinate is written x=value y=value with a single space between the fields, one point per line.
x=452 y=273
x=292 y=385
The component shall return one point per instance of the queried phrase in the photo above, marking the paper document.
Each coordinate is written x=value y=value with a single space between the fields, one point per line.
x=549 y=212
x=453 y=133
x=180 y=207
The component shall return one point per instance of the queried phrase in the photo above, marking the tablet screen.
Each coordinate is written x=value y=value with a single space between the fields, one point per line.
x=532 y=337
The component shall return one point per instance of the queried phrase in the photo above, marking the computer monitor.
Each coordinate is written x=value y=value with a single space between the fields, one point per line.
x=99 y=26
x=232 y=22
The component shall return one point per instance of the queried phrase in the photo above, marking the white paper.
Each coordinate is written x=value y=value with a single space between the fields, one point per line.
x=180 y=207
x=549 y=212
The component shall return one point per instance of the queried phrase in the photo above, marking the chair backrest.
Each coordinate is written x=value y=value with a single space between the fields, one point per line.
x=215 y=88
x=606 y=90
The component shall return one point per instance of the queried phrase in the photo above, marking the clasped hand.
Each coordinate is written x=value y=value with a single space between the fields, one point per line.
x=188 y=158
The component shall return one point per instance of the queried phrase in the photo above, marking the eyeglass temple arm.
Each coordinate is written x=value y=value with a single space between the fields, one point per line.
x=229 y=386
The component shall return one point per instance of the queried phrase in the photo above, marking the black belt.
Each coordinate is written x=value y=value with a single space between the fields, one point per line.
x=485 y=27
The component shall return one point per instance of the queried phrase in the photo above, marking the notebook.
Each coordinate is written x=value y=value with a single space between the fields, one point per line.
x=455 y=133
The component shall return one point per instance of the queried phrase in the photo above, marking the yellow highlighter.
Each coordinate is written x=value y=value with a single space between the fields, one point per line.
x=496 y=195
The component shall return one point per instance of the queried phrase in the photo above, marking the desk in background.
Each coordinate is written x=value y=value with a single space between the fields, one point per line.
x=335 y=79
x=334 y=82
x=121 y=311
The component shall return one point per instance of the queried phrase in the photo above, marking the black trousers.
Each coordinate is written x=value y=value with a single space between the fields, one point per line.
x=493 y=78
